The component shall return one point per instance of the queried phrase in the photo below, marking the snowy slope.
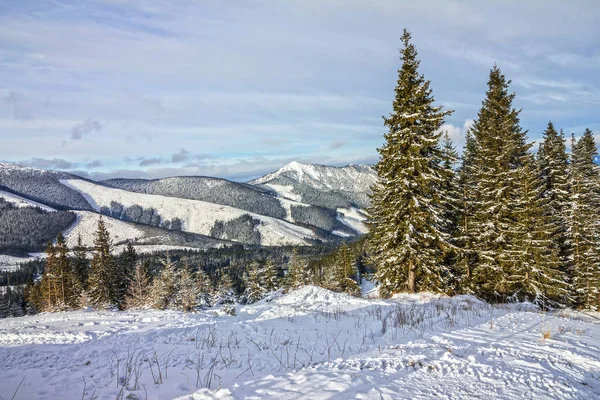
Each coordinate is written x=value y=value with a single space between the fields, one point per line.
x=42 y=186
x=308 y=344
x=87 y=223
x=197 y=216
x=23 y=202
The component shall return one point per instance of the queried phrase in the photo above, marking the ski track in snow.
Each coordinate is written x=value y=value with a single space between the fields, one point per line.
x=308 y=344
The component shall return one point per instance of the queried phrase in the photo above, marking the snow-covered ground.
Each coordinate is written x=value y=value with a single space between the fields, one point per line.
x=308 y=344
x=197 y=216
x=23 y=202
x=11 y=263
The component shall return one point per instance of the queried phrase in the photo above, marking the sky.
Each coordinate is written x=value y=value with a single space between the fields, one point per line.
x=236 y=89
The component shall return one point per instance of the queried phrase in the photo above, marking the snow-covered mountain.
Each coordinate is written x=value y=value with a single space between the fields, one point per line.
x=322 y=185
x=299 y=204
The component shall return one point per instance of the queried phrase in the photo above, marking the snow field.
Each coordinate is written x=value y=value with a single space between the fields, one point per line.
x=308 y=344
x=23 y=202
x=197 y=216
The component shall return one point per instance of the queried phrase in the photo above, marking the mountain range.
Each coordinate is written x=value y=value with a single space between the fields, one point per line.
x=299 y=204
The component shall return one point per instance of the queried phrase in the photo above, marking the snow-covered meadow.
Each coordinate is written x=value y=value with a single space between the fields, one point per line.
x=311 y=344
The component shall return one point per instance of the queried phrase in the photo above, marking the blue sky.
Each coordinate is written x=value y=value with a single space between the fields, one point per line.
x=239 y=88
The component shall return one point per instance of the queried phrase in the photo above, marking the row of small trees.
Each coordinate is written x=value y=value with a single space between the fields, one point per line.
x=72 y=281
x=503 y=223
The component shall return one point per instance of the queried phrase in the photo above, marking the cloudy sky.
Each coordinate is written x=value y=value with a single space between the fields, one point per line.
x=239 y=88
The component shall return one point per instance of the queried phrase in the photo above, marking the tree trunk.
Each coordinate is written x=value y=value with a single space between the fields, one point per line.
x=411 y=278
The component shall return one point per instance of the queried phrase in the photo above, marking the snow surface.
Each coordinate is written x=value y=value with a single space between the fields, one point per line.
x=197 y=216
x=308 y=344
x=86 y=225
x=11 y=263
x=23 y=202
x=354 y=218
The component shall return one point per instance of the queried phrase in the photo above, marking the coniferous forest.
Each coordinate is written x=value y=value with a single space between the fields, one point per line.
x=499 y=219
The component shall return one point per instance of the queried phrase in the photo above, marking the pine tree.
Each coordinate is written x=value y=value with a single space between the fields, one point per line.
x=255 y=285
x=464 y=237
x=139 y=288
x=205 y=289
x=127 y=263
x=297 y=274
x=80 y=264
x=498 y=164
x=224 y=293
x=104 y=281
x=451 y=202
x=164 y=286
x=344 y=275
x=554 y=167
x=49 y=286
x=585 y=222
x=187 y=290
x=406 y=240
x=271 y=279
x=68 y=285
x=533 y=263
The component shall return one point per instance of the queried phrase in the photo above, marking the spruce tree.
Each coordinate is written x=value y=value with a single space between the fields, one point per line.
x=49 y=284
x=297 y=274
x=498 y=163
x=187 y=290
x=68 y=286
x=344 y=275
x=451 y=202
x=464 y=236
x=126 y=262
x=163 y=291
x=225 y=293
x=205 y=289
x=271 y=279
x=585 y=222
x=407 y=242
x=554 y=167
x=255 y=287
x=139 y=287
x=104 y=283
x=80 y=263
x=533 y=267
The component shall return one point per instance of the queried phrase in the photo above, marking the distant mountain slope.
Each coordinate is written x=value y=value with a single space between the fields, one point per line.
x=121 y=232
x=212 y=190
x=194 y=216
x=41 y=186
x=321 y=185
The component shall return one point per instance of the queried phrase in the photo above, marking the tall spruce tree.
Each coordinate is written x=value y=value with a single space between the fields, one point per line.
x=464 y=236
x=49 y=286
x=80 y=263
x=554 y=167
x=68 y=285
x=104 y=283
x=451 y=202
x=126 y=262
x=407 y=242
x=585 y=222
x=498 y=164
x=533 y=267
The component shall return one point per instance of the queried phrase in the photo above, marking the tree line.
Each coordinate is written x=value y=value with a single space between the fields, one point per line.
x=499 y=222
x=127 y=281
